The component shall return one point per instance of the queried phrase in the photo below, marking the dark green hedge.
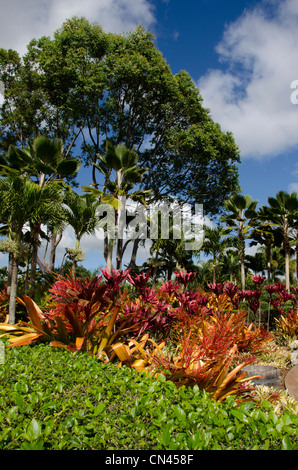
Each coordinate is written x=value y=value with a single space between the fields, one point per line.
x=52 y=399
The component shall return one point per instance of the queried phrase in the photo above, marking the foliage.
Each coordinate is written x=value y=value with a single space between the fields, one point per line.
x=281 y=399
x=83 y=82
x=240 y=216
x=288 y=324
x=208 y=335
x=53 y=400
x=94 y=333
x=4 y=301
x=194 y=367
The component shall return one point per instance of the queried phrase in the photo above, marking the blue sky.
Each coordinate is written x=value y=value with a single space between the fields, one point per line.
x=193 y=35
x=241 y=54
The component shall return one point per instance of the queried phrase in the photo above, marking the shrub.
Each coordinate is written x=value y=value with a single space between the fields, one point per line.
x=288 y=324
x=53 y=400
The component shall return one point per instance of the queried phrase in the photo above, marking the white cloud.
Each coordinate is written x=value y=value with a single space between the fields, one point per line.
x=23 y=20
x=293 y=187
x=251 y=95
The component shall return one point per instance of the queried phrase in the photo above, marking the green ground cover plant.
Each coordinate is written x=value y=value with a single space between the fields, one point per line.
x=54 y=399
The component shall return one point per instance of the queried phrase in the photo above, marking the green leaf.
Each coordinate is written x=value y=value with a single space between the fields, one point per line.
x=286 y=443
x=166 y=437
x=68 y=167
x=180 y=413
x=99 y=409
x=33 y=431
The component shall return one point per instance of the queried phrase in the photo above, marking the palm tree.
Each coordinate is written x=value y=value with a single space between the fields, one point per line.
x=28 y=172
x=170 y=255
x=44 y=163
x=230 y=266
x=215 y=244
x=282 y=212
x=81 y=216
x=46 y=205
x=13 y=213
x=204 y=272
x=23 y=202
x=122 y=173
x=255 y=263
x=264 y=234
x=241 y=214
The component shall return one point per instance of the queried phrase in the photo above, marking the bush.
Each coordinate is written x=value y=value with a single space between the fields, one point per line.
x=56 y=400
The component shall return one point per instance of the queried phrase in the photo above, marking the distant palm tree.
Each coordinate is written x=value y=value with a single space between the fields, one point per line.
x=122 y=174
x=230 y=266
x=266 y=235
x=204 y=272
x=81 y=216
x=241 y=211
x=215 y=243
x=282 y=212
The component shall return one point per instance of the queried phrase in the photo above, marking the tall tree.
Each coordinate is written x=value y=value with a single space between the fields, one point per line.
x=49 y=89
x=241 y=210
x=43 y=162
x=24 y=202
x=101 y=87
x=122 y=174
x=282 y=212
x=264 y=234
x=119 y=87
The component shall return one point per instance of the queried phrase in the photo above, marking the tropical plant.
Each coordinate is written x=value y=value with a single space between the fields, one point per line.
x=95 y=334
x=189 y=369
x=265 y=235
x=230 y=264
x=25 y=202
x=241 y=212
x=282 y=212
x=82 y=217
x=215 y=244
x=4 y=302
x=35 y=172
x=288 y=324
x=117 y=188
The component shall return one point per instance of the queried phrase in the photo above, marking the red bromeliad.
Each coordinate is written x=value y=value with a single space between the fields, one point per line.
x=139 y=280
x=114 y=278
x=258 y=280
x=184 y=277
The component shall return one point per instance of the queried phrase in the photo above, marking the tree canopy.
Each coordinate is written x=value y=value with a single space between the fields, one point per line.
x=85 y=87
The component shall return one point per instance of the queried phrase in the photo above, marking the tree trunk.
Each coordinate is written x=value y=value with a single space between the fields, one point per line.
x=287 y=249
x=13 y=291
x=119 y=251
x=55 y=240
x=242 y=259
x=35 y=233
x=108 y=252
x=268 y=258
x=10 y=263
x=133 y=258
